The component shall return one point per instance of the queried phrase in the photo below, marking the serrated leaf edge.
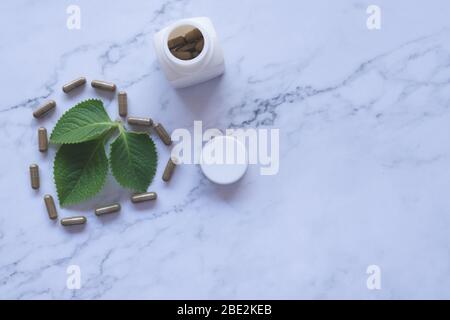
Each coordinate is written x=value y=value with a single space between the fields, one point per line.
x=153 y=171
x=84 y=101
x=72 y=203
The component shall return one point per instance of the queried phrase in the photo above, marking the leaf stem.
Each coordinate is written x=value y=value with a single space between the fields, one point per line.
x=121 y=127
x=109 y=133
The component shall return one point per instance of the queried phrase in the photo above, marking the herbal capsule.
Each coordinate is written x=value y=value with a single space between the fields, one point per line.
x=46 y=107
x=123 y=104
x=51 y=208
x=176 y=42
x=195 y=54
x=140 y=121
x=34 y=175
x=168 y=171
x=162 y=133
x=74 y=84
x=42 y=139
x=193 y=35
x=103 y=85
x=182 y=55
x=71 y=221
x=188 y=47
x=199 y=45
x=108 y=209
x=140 y=197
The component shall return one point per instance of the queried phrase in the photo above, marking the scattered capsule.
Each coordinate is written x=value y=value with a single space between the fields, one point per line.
x=42 y=139
x=51 y=208
x=45 y=108
x=140 y=121
x=168 y=171
x=123 y=104
x=103 y=85
x=176 y=42
x=162 y=133
x=193 y=35
x=140 y=197
x=71 y=221
x=34 y=175
x=108 y=209
x=74 y=84
x=199 y=45
x=182 y=55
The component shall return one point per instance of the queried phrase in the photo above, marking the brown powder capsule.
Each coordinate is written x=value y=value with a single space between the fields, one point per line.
x=168 y=171
x=182 y=55
x=146 y=196
x=51 y=208
x=107 y=209
x=123 y=104
x=199 y=45
x=42 y=139
x=193 y=35
x=74 y=84
x=71 y=221
x=34 y=176
x=176 y=42
x=140 y=121
x=162 y=133
x=103 y=85
x=195 y=54
x=187 y=47
x=44 y=109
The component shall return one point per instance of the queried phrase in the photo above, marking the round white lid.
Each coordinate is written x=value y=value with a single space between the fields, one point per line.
x=224 y=159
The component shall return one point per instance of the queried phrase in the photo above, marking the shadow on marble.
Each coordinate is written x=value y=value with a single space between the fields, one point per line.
x=49 y=155
x=75 y=229
x=109 y=217
x=196 y=100
x=146 y=206
x=225 y=192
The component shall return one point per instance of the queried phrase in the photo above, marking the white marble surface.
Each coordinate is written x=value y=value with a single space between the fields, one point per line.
x=365 y=143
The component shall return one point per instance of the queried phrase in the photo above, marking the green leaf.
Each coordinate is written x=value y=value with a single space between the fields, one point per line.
x=133 y=160
x=86 y=121
x=80 y=171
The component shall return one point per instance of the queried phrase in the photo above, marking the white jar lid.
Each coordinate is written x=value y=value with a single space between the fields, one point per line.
x=224 y=159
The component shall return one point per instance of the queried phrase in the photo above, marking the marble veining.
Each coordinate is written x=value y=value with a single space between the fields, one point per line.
x=364 y=153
